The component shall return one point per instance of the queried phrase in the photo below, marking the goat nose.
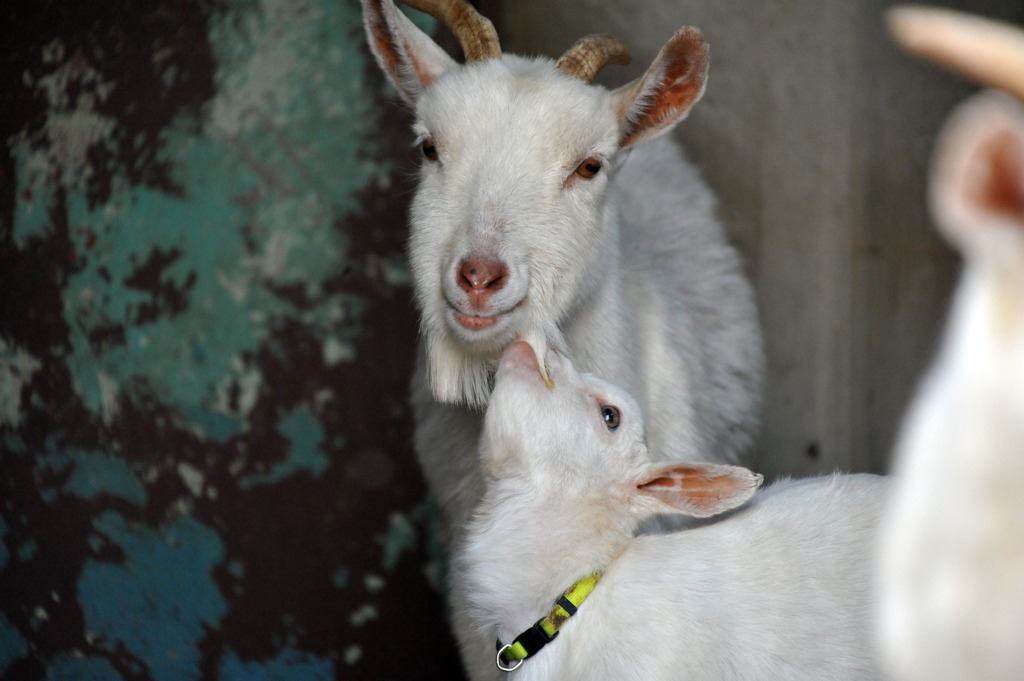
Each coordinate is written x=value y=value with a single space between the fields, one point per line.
x=482 y=276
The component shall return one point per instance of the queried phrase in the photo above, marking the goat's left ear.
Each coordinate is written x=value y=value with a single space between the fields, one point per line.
x=407 y=55
x=664 y=95
x=698 y=490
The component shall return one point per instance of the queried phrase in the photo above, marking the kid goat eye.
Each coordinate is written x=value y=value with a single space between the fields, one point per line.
x=428 y=149
x=611 y=416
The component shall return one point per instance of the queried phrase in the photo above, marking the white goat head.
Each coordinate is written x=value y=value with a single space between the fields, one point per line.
x=582 y=442
x=510 y=230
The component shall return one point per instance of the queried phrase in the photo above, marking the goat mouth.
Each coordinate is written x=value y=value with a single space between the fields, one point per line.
x=473 y=322
x=475 y=326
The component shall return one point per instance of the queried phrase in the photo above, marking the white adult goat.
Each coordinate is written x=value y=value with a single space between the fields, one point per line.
x=530 y=222
x=777 y=590
x=952 y=561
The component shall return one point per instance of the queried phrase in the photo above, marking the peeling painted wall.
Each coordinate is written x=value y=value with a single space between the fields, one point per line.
x=205 y=341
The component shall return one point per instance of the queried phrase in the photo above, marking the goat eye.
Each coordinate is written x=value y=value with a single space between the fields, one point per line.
x=611 y=416
x=589 y=168
x=428 y=149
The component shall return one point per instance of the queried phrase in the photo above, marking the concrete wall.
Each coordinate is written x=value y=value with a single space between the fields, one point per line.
x=205 y=343
x=815 y=130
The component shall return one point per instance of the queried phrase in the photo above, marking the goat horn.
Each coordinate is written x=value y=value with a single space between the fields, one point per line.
x=474 y=31
x=986 y=50
x=590 y=54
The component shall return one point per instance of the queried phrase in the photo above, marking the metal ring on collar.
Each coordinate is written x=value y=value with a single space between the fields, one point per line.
x=501 y=663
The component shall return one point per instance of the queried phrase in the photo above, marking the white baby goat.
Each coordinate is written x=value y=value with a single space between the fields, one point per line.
x=777 y=590
x=952 y=561
x=531 y=222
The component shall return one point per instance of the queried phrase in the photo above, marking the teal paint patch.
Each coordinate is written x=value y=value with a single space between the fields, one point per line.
x=12 y=646
x=400 y=537
x=403 y=533
x=186 y=346
x=293 y=123
x=211 y=425
x=289 y=665
x=14 y=444
x=341 y=578
x=306 y=434
x=31 y=215
x=267 y=177
x=68 y=668
x=94 y=474
x=427 y=515
x=159 y=602
x=28 y=550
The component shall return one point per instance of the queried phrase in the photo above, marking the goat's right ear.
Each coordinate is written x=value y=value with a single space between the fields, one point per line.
x=654 y=103
x=698 y=490
x=977 y=183
x=408 y=56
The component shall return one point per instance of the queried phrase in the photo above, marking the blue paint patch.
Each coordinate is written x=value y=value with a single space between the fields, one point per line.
x=214 y=426
x=306 y=434
x=96 y=473
x=28 y=550
x=12 y=645
x=290 y=665
x=95 y=542
x=67 y=668
x=158 y=603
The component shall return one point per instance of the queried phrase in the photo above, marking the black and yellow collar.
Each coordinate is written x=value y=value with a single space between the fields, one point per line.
x=544 y=630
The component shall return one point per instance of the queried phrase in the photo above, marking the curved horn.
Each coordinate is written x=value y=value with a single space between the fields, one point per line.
x=474 y=31
x=989 y=51
x=590 y=54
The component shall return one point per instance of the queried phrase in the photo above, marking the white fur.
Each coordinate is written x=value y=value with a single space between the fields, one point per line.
x=779 y=589
x=952 y=562
x=629 y=271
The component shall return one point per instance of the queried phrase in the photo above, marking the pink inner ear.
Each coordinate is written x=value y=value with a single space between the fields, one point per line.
x=385 y=46
x=1000 y=185
x=701 y=488
x=684 y=61
x=395 y=60
x=424 y=74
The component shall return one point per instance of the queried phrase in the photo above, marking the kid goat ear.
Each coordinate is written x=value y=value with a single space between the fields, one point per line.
x=697 y=490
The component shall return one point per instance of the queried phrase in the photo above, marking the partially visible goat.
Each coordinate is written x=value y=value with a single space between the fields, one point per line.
x=952 y=561
x=531 y=222
x=779 y=589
